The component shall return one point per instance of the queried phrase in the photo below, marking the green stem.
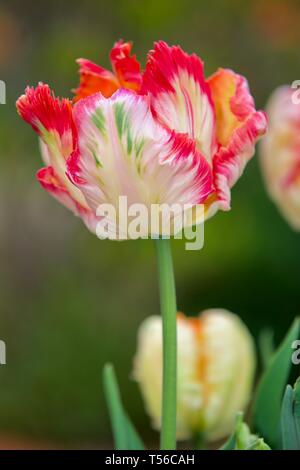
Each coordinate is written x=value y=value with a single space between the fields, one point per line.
x=168 y=312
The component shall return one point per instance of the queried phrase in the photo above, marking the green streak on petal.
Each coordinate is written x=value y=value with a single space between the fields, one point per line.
x=124 y=131
x=120 y=118
x=99 y=120
x=123 y=126
x=138 y=148
x=48 y=137
x=129 y=142
x=97 y=161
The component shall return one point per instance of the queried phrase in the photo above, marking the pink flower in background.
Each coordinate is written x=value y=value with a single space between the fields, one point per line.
x=167 y=135
x=280 y=153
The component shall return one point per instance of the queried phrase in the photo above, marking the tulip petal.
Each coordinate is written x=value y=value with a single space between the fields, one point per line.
x=228 y=376
x=49 y=116
x=93 y=79
x=52 y=119
x=229 y=163
x=232 y=101
x=51 y=182
x=126 y=66
x=123 y=151
x=239 y=126
x=180 y=96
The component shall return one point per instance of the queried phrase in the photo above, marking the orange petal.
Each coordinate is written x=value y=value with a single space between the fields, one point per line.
x=238 y=126
x=93 y=79
x=232 y=100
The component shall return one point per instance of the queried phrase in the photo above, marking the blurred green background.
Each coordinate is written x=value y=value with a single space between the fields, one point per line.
x=69 y=302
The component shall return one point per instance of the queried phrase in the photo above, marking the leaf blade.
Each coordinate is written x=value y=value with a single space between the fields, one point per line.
x=125 y=434
x=242 y=438
x=267 y=405
x=288 y=426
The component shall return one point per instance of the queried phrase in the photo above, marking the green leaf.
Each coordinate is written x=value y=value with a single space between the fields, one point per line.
x=266 y=346
x=242 y=439
x=125 y=434
x=267 y=404
x=258 y=444
x=297 y=406
x=230 y=443
x=290 y=418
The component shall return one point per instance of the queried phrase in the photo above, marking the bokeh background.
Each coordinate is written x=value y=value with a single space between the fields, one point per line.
x=69 y=302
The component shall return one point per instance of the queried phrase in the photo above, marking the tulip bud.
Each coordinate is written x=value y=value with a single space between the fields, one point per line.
x=216 y=363
x=280 y=153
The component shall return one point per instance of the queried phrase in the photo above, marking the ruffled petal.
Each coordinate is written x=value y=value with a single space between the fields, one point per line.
x=238 y=126
x=124 y=152
x=126 y=66
x=180 y=96
x=229 y=162
x=232 y=101
x=93 y=79
x=52 y=119
x=51 y=182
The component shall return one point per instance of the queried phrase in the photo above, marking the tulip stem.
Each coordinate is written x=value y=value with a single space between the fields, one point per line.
x=168 y=312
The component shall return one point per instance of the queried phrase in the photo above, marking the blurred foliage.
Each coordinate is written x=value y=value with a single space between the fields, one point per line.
x=69 y=302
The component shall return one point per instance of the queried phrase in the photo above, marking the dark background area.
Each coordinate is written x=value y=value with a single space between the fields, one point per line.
x=70 y=302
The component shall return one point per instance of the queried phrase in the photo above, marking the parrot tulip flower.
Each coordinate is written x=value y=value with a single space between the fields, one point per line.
x=166 y=135
x=280 y=154
x=216 y=363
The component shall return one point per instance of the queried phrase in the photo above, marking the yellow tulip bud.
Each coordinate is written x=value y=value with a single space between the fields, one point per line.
x=216 y=363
